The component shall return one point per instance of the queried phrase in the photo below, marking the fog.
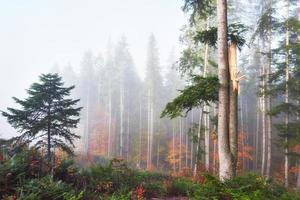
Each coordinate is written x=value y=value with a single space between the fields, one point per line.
x=38 y=36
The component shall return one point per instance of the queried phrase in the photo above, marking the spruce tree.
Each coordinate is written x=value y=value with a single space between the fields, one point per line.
x=47 y=116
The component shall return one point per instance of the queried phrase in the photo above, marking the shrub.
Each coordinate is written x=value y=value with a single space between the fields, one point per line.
x=182 y=187
x=46 y=188
x=247 y=187
x=154 y=189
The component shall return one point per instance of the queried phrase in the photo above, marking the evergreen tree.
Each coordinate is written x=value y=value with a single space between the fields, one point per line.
x=46 y=118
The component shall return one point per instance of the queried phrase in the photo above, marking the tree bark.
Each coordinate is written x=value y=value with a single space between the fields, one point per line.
x=233 y=111
x=226 y=170
x=206 y=108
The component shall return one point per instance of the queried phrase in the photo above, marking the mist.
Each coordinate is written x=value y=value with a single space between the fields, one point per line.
x=38 y=37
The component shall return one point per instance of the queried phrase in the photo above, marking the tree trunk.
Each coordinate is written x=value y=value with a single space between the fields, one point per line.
x=269 y=103
x=226 y=170
x=286 y=159
x=257 y=132
x=263 y=158
x=49 y=137
x=140 y=134
x=180 y=144
x=206 y=108
x=198 y=148
x=192 y=142
x=109 y=122
x=173 y=145
x=148 y=129
x=121 y=119
x=233 y=111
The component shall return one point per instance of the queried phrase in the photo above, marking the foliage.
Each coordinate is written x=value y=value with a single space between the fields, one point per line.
x=46 y=117
x=203 y=91
x=247 y=187
x=235 y=35
x=183 y=187
x=117 y=181
x=198 y=8
x=46 y=188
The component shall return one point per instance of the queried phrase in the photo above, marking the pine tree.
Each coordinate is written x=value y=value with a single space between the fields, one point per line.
x=47 y=117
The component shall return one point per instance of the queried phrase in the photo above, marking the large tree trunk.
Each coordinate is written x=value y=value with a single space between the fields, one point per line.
x=226 y=170
x=206 y=108
x=233 y=111
x=263 y=105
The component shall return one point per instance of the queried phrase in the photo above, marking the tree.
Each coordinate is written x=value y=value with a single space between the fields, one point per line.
x=153 y=84
x=46 y=118
x=225 y=159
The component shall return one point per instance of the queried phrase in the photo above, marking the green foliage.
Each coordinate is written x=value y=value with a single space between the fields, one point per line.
x=17 y=169
x=202 y=91
x=235 y=35
x=183 y=187
x=247 y=187
x=46 y=188
x=117 y=181
x=198 y=8
x=47 y=115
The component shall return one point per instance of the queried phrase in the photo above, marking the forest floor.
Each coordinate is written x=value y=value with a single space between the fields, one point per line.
x=26 y=176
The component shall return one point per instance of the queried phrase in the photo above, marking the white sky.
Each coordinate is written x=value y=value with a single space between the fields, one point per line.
x=36 y=34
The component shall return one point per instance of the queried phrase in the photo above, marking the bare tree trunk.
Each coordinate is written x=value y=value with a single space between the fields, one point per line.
x=151 y=131
x=140 y=134
x=173 y=145
x=148 y=128
x=127 y=136
x=233 y=111
x=269 y=128
x=257 y=132
x=121 y=119
x=226 y=169
x=263 y=158
x=180 y=143
x=269 y=102
x=198 y=148
x=206 y=108
x=186 y=146
x=109 y=122
x=215 y=143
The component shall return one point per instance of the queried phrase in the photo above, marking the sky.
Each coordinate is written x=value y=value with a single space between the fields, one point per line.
x=39 y=34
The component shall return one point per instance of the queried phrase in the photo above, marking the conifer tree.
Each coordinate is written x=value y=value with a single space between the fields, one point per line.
x=47 y=116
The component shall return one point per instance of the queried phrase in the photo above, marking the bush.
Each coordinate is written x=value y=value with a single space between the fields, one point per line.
x=154 y=189
x=182 y=187
x=46 y=188
x=247 y=187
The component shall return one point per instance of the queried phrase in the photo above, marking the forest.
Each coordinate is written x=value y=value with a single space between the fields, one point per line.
x=218 y=121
